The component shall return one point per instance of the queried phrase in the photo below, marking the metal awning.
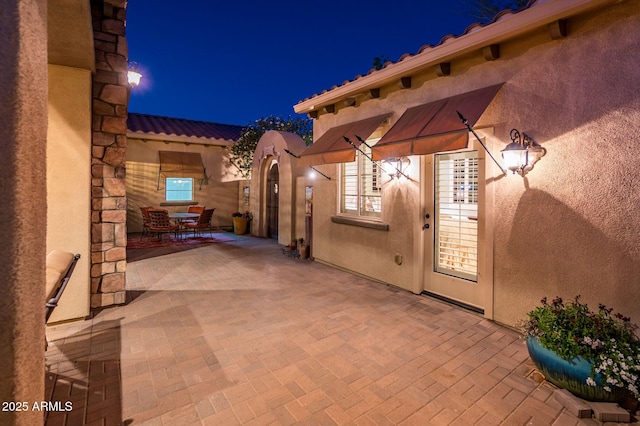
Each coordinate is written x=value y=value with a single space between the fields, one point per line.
x=434 y=127
x=181 y=164
x=331 y=146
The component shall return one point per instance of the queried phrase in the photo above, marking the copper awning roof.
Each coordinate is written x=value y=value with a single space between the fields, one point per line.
x=435 y=127
x=181 y=164
x=331 y=146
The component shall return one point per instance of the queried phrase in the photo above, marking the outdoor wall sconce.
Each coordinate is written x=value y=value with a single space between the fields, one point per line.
x=519 y=156
x=522 y=153
x=133 y=76
x=396 y=166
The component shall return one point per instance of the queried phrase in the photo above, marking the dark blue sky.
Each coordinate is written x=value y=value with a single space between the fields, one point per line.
x=236 y=61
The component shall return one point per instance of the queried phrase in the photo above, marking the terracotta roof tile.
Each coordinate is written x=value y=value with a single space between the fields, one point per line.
x=181 y=127
x=428 y=47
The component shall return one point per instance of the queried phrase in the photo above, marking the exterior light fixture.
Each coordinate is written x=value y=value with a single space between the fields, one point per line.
x=396 y=166
x=519 y=156
x=133 y=76
x=522 y=153
x=313 y=172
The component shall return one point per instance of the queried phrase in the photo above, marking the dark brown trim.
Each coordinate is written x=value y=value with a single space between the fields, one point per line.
x=491 y=52
x=405 y=82
x=349 y=102
x=558 y=29
x=443 y=69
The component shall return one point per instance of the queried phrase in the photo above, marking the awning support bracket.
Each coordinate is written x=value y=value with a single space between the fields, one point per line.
x=311 y=167
x=368 y=156
x=466 y=123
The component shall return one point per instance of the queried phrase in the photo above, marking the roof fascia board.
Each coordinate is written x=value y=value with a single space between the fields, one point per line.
x=507 y=26
x=178 y=139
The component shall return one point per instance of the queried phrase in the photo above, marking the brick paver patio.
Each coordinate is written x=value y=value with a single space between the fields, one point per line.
x=237 y=333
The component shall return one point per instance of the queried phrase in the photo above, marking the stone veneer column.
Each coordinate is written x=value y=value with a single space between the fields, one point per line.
x=109 y=142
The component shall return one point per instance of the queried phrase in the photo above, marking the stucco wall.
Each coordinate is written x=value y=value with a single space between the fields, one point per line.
x=220 y=192
x=363 y=250
x=569 y=227
x=23 y=133
x=69 y=181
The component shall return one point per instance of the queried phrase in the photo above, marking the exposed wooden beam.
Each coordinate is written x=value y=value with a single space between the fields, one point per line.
x=374 y=93
x=443 y=68
x=405 y=82
x=491 y=52
x=558 y=29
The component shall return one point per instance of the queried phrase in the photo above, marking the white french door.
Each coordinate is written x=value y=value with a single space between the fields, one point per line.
x=453 y=206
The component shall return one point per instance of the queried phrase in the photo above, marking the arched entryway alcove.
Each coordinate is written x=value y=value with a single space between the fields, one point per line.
x=271 y=157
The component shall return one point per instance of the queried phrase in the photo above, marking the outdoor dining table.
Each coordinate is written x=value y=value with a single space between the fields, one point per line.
x=180 y=218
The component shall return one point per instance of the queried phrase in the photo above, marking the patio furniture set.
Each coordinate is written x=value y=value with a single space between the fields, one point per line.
x=160 y=221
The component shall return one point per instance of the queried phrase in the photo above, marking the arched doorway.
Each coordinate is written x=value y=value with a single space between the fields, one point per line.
x=273 y=180
x=278 y=212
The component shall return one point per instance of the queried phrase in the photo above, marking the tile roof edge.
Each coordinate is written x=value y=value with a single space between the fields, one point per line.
x=389 y=70
x=163 y=137
x=185 y=119
x=424 y=48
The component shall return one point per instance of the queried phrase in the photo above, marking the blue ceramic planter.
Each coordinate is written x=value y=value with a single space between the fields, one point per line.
x=570 y=374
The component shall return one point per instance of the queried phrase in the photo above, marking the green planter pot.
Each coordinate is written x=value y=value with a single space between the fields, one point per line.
x=570 y=374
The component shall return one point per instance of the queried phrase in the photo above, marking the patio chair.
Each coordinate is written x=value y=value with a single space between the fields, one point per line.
x=204 y=222
x=146 y=221
x=161 y=224
x=194 y=209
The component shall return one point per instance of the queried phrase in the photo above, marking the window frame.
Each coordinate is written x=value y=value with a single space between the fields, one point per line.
x=167 y=190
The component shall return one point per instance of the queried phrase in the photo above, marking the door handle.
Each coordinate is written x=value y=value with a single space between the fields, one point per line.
x=426 y=225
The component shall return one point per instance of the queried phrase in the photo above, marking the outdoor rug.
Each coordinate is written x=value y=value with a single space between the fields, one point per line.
x=148 y=247
x=135 y=242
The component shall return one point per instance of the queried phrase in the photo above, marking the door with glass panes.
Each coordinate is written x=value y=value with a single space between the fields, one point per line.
x=452 y=219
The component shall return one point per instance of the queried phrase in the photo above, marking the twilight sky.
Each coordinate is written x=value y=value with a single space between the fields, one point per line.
x=233 y=62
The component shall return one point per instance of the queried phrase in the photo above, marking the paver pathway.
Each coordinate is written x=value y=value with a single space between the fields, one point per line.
x=237 y=333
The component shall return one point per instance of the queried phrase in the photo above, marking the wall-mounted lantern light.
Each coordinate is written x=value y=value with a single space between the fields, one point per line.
x=519 y=156
x=396 y=166
x=522 y=153
x=133 y=76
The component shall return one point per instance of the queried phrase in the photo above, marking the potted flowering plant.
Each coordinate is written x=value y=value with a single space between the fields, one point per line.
x=239 y=223
x=593 y=354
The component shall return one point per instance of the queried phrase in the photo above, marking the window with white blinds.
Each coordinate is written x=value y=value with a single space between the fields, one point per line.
x=361 y=186
x=456 y=218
